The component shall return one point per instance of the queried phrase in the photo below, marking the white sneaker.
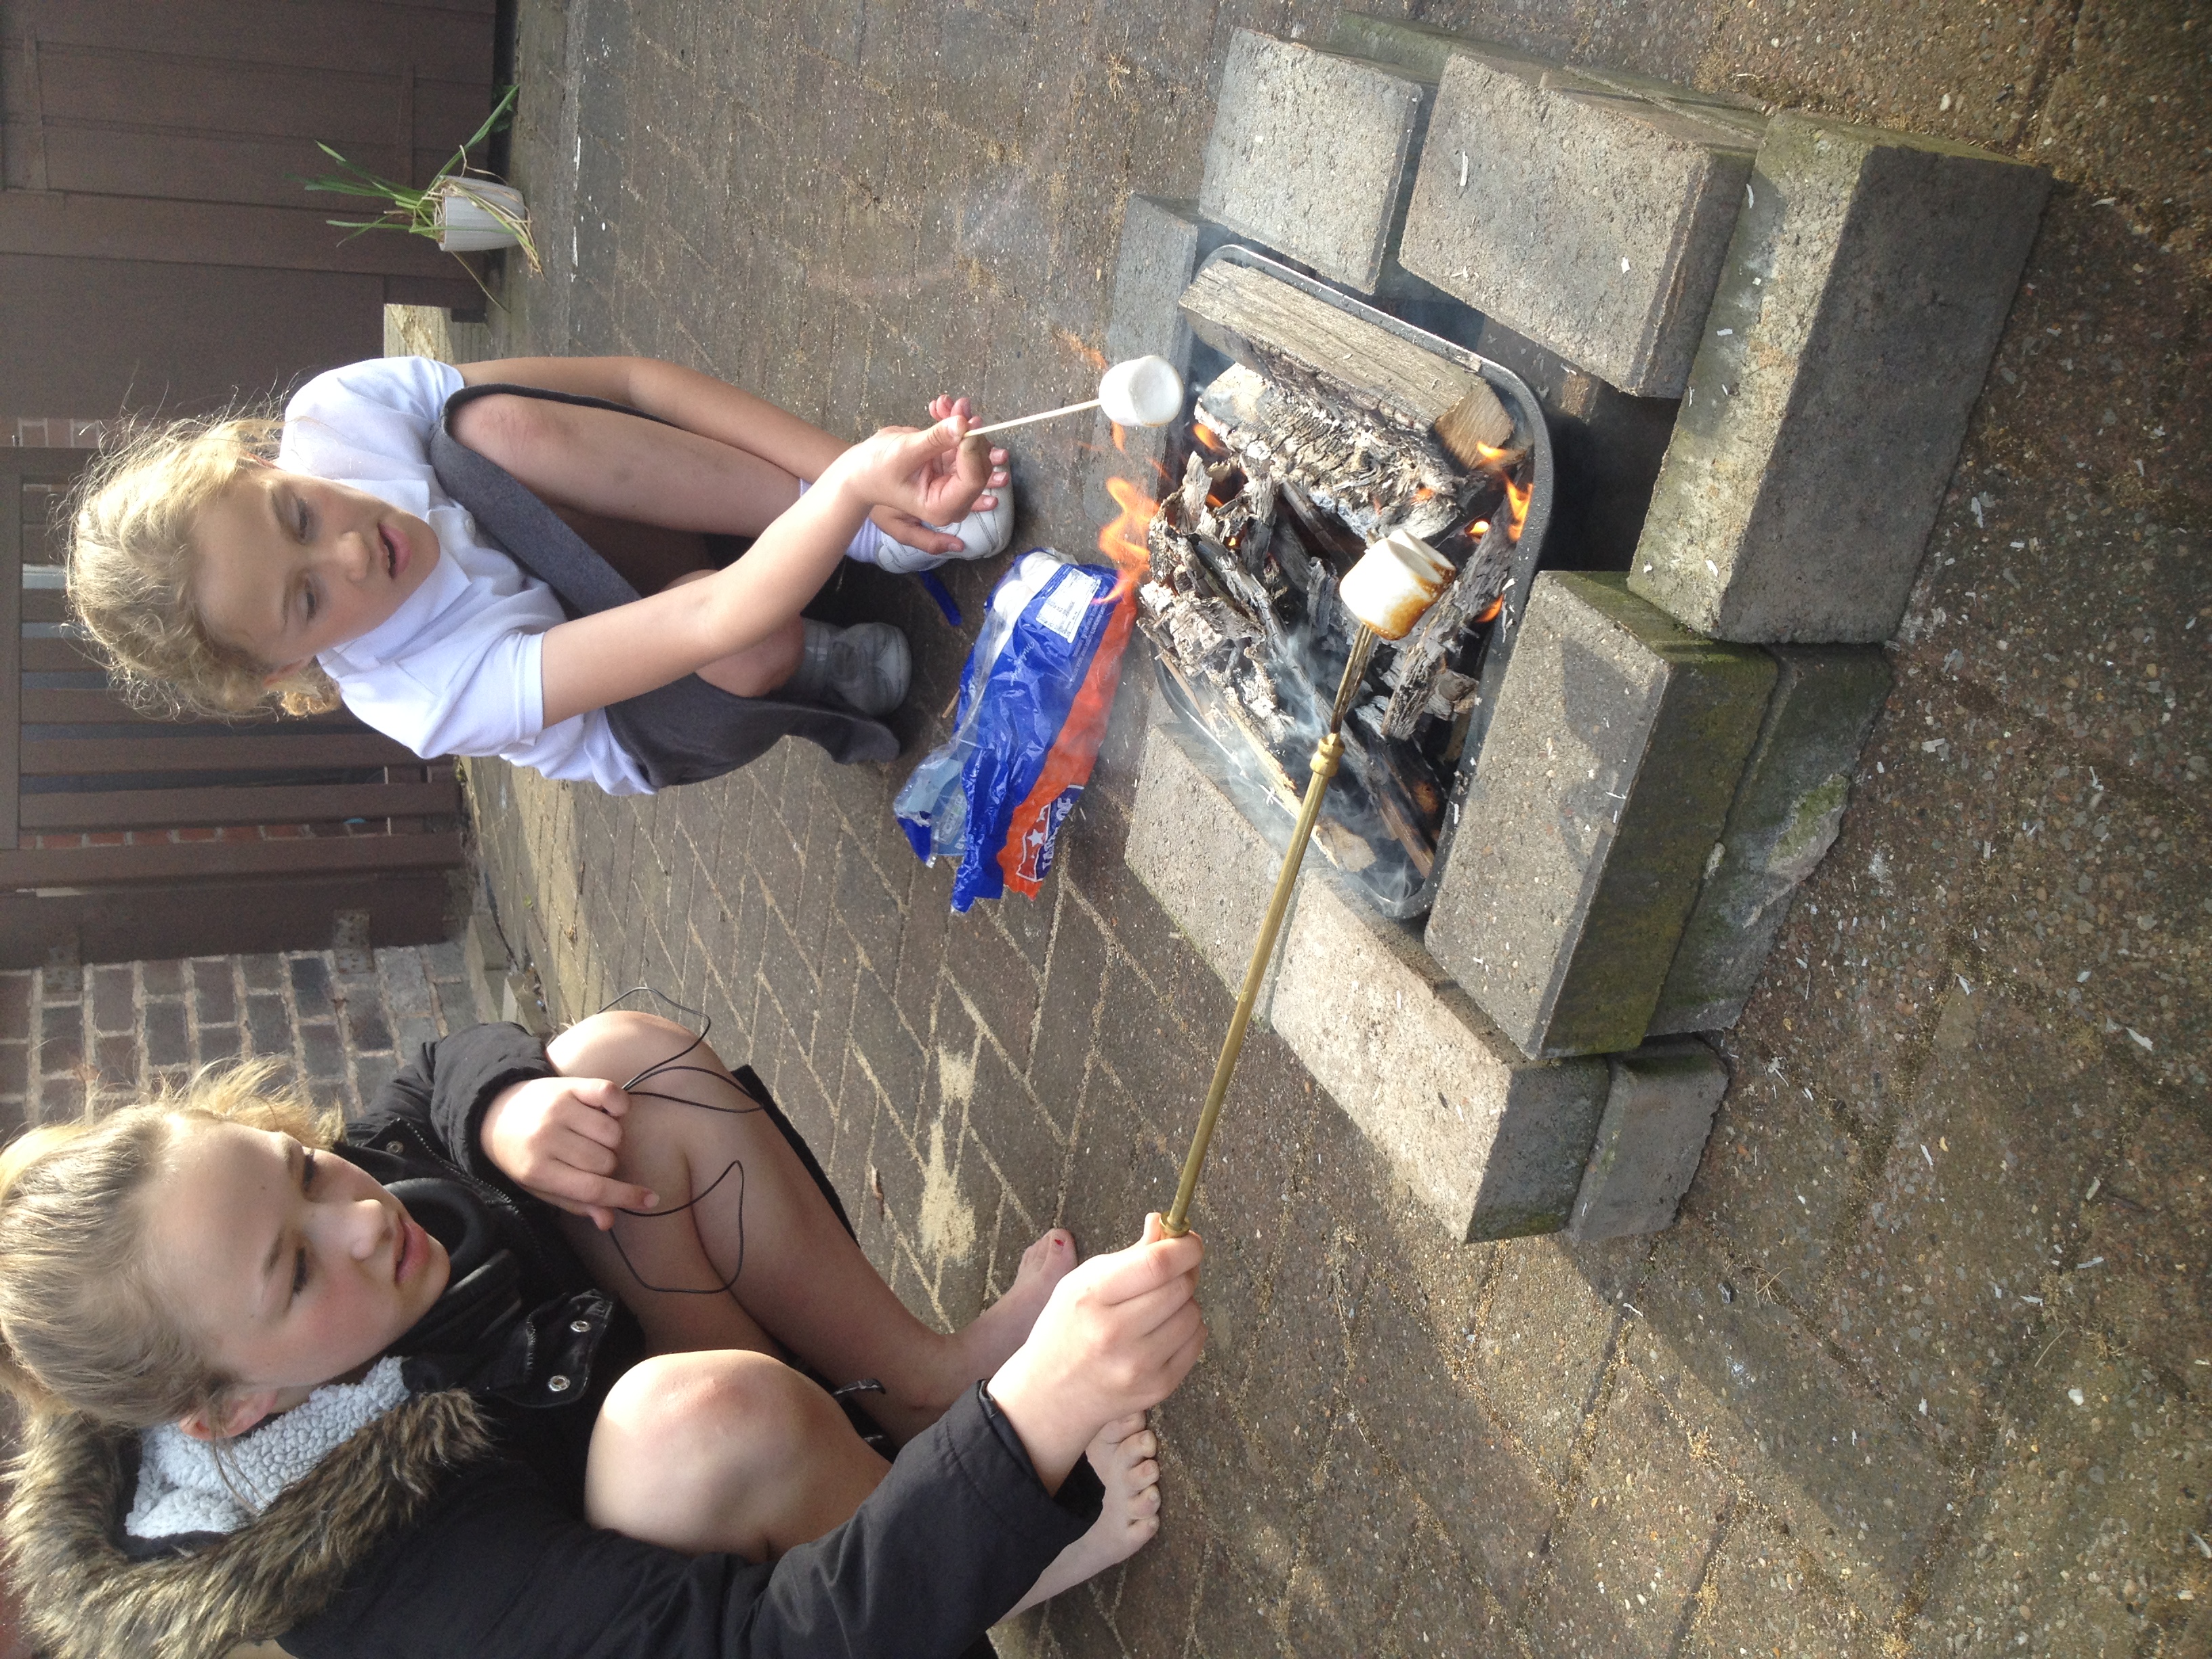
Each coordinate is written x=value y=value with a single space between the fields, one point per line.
x=865 y=667
x=982 y=536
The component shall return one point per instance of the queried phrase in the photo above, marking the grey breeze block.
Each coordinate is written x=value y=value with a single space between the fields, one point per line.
x=1591 y=221
x=1309 y=153
x=1658 y=1113
x=1787 y=812
x=1163 y=243
x=1605 y=778
x=1495 y=1144
x=1863 y=292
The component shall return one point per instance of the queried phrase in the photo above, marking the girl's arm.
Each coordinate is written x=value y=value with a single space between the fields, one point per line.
x=708 y=408
x=602 y=659
x=682 y=397
x=495 y=1567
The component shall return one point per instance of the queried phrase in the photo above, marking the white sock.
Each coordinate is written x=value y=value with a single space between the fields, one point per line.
x=982 y=535
x=867 y=544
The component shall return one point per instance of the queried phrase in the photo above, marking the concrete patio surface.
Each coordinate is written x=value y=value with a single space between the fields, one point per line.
x=1926 y=1367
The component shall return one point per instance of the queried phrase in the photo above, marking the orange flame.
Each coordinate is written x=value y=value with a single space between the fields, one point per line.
x=1121 y=438
x=1491 y=610
x=1206 y=436
x=1517 y=498
x=1123 y=540
x=1491 y=457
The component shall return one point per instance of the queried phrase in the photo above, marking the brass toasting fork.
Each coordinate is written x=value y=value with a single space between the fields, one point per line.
x=1395 y=581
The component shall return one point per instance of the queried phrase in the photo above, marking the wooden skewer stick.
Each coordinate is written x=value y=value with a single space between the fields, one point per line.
x=1142 y=391
x=1026 y=420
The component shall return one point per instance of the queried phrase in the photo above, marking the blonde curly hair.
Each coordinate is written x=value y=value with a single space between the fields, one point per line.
x=131 y=568
x=84 y=1325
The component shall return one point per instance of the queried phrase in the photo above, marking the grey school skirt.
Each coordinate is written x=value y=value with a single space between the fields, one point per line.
x=683 y=732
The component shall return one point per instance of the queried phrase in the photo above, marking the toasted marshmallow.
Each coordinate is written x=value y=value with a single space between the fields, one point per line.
x=1395 y=581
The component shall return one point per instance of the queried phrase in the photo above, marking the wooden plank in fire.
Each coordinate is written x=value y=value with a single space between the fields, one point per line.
x=1288 y=334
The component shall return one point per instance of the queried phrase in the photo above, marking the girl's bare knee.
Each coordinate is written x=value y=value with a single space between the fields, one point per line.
x=621 y=1043
x=706 y=1425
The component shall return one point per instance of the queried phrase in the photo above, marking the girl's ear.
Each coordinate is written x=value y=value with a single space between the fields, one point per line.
x=233 y=1416
x=277 y=677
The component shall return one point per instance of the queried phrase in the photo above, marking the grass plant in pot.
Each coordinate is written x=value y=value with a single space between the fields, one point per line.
x=463 y=209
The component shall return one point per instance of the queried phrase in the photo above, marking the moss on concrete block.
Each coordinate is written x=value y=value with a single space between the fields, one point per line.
x=1784 y=818
x=1603 y=784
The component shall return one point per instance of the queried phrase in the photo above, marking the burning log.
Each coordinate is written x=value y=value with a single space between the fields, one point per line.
x=1422 y=654
x=1373 y=476
x=1298 y=341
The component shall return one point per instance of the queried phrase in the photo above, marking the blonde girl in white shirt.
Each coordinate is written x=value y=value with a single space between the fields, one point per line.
x=230 y=564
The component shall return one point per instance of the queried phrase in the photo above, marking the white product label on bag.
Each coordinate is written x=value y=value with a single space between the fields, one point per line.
x=1061 y=609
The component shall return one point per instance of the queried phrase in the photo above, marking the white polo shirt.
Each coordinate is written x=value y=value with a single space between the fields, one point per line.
x=456 y=670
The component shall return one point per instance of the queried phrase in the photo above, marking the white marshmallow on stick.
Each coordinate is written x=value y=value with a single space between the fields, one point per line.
x=1395 y=581
x=1142 y=391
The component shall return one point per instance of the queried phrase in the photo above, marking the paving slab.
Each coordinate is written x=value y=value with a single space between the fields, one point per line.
x=1309 y=154
x=1971 y=1238
x=1757 y=1590
x=1626 y=1566
x=1492 y=1141
x=2086 y=1539
x=1785 y=817
x=1604 y=782
x=1780 y=1177
x=1863 y=1495
x=1592 y=222
x=1869 y=278
x=1658 y=1113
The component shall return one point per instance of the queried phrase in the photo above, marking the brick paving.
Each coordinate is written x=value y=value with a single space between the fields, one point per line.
x=1924 y=1368
x=111 y=1030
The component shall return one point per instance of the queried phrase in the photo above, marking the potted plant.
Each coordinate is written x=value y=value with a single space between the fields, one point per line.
x=463 y=209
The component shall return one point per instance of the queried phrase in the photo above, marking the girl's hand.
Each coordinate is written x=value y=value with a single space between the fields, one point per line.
x=941 y=407
x=933 y=475
x=558 y=1138
x=1117 y=1336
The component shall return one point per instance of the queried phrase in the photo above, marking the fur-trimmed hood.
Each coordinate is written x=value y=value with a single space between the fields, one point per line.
x=83 y=1598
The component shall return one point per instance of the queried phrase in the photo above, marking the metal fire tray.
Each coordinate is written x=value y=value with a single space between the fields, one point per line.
x=1528 y=422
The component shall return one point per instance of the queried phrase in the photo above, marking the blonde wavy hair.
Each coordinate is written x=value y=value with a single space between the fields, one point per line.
x=84 y=1327
x=130 y=569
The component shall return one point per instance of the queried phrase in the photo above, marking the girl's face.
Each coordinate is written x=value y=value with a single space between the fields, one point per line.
x=286 y=565
x=298 y=1269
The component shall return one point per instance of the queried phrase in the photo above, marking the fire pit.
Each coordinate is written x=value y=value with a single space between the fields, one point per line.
x=1317 y=441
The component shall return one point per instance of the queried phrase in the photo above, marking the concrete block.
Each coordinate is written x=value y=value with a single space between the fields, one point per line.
x=1493 y=1142
x=1864 y=290
x=1309 y=154
x=1658 y=1112
x=1163 y=243
x=1604 y=782
x=1784 y=818
x=1424 y=51
x=1593 y=222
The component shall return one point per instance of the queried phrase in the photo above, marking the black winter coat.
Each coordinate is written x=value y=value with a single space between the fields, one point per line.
x=433 y=1534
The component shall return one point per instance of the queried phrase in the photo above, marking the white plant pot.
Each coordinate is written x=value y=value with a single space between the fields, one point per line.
x=465 y=225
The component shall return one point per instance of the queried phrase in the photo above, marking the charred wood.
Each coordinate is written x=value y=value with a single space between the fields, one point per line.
x=1375 y=476
x=1298 y=340
x=1423 y=652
